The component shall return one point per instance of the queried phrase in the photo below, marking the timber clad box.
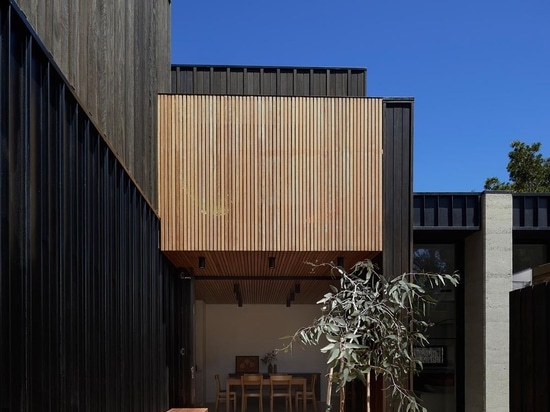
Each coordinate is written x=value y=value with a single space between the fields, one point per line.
x=244 y=178
x=270 y=173
x=258 y=163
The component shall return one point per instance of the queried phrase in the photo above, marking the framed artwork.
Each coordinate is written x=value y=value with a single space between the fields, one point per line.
x=247 y=364
x=431 y=355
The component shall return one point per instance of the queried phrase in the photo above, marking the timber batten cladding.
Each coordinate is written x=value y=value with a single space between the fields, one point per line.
x=270 y=173
x=392 y=208
x=265 y=175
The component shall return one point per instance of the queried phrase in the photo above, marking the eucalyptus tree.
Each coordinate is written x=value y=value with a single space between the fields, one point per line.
x=370 y=324
x=528 y=170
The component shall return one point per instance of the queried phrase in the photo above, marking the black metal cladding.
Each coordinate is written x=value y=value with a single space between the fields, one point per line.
x=529 y=341
x=84 y=319
x=397 y=138
x=531 y=211
x=268 y=81
x=446 y=211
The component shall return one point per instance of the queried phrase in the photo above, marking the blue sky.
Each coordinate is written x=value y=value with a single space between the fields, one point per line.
x=479 y=71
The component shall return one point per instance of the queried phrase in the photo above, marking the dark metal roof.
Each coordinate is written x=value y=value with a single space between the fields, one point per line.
x=269 y=81
x=461 y=211
x=446 y=211
x=531 y=211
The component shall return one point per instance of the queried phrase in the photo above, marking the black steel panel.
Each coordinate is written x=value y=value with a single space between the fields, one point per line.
x=116 y=54
x=544 y=211
x=458 y=209
x=268 y=81
x=319 y=82
x=219 y=80
x=83 y=282
x=285 y=82
x=397 y=186
x=529 y=340
x=236 y=83
x=472 y=213
x=531 y=211
x=540 y=349
x=446 y=211
x=301 y=83
x=253 y=85
x=417 y=209
x=430 y=211
x=445 y=208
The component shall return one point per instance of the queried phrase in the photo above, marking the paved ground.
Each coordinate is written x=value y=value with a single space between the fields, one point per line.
x=253 y=407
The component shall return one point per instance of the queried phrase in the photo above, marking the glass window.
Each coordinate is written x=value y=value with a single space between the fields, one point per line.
x=435 y=384
x=527 y=256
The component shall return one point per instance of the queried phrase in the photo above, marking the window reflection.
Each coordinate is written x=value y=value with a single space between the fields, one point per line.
x=528 y=256
x=436 y=383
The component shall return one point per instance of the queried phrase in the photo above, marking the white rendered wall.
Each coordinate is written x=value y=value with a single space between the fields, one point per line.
x=229 y=330
x=487 y=286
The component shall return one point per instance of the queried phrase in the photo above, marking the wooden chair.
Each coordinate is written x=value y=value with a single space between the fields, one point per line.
x=252 y=386
x=281 y=387
x=221 y=394
x=309 y=394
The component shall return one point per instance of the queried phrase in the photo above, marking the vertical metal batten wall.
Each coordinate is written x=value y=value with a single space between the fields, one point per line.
x=87 y=307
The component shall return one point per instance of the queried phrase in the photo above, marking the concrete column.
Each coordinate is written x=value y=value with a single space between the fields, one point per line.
x=488 y=281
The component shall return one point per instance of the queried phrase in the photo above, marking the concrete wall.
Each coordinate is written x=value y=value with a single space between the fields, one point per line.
x=497 y=231
x=488 y=281
x=225 y=331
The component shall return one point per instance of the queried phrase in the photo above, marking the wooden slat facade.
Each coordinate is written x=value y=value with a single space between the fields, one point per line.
x=115 y=54
x=270 y=173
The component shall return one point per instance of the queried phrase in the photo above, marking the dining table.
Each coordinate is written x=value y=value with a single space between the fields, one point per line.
x=236 y=381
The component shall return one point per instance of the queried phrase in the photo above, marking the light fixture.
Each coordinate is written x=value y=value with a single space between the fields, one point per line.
x=340 y=263
x=271 y=262
x=202 y=262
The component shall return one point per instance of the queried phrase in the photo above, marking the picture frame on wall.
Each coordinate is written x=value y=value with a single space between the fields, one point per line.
x=247 y=364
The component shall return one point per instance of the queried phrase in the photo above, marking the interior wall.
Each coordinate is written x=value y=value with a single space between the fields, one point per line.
x=230 y=331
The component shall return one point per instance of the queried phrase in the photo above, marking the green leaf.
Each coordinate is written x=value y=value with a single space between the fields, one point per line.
x=371 y=324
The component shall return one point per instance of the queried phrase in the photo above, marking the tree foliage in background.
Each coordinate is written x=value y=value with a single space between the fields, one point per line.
x=529 y=171
x=371 y=324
